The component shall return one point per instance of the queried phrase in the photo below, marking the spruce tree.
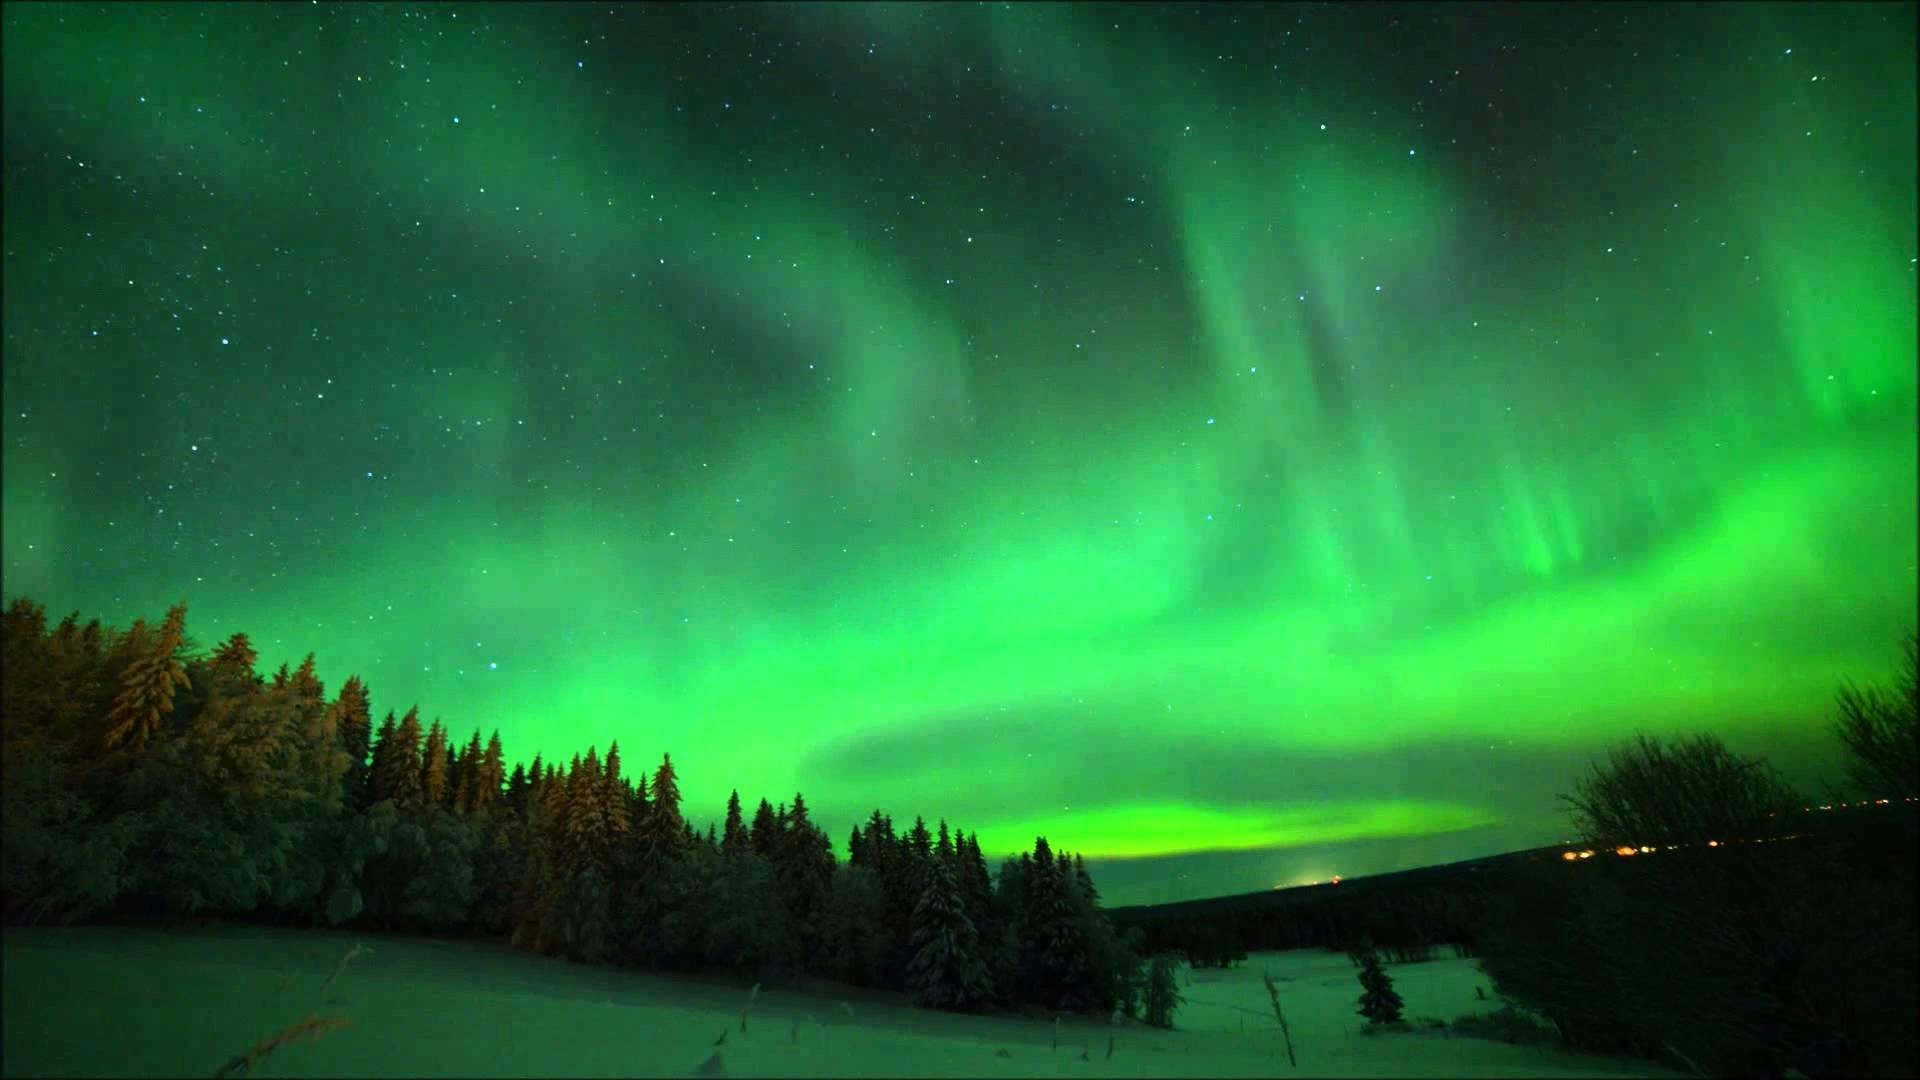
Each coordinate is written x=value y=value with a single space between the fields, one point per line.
x=946 y=971
x=353 y=718
x=1379 y=1002
x=433 y=768
x=805 y=869
x=233 y=665
x=733 y=838
x=1163 y=992
x=584 y=899
x=322 y=757
x=147 y=685
x=380 y=768
x=665 y=833
x=493 y=775
x=402 y=784
x=617 y=804
x=765 y=836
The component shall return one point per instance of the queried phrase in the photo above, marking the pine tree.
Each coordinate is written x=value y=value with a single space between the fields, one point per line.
x=616 y=803
x=353 y=718
x=433 y=768
x=612 y=769
x=765 y=836
x=467 y=776
x=943 y=847
x=664 y=834
x=946 y=971
x=323 y=759
x=147 y=686
x=804 y=867
x=233 y=665
x=585 y=891
x=1379 y=1002
x=516 y=792
x=493 y=775
x=733 y=838
x=1056 y=945
x=1163 y=992
x=380 y=769
x=402 y=783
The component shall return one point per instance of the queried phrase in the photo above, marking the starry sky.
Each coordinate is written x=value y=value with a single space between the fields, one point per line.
x=1245 y=444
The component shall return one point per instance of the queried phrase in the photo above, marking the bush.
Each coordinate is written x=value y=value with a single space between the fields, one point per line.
x=1505 y=1024
x=1879 y=728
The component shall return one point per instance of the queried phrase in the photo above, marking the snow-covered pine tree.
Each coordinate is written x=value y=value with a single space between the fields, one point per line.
x=1379 y=1002
x=946 y=971
x=146 y=687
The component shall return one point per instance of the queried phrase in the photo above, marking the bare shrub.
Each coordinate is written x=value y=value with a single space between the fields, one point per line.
x=1652 y=793
x=1878 y=726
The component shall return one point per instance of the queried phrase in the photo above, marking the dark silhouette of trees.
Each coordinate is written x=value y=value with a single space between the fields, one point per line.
x=1654 y=793
x=733 y=837
x=146 y=779
x=1880 y=728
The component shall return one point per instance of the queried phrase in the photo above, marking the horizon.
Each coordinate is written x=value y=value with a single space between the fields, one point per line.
x=1243 y=447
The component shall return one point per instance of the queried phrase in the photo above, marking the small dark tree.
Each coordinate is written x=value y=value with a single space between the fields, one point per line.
x=733 y=839
x=1379 y=1002
x=1163 y=992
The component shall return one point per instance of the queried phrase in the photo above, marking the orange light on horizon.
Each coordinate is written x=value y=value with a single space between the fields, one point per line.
x=1336 y=879
x=1570 y=856
x=1624 y=850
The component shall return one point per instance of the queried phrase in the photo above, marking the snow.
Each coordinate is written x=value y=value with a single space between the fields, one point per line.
x=133 y=1002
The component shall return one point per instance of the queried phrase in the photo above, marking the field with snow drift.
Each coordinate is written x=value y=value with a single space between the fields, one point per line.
x=121 y=1002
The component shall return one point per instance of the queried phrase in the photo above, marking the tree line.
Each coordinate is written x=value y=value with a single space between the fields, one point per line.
x=149 y=779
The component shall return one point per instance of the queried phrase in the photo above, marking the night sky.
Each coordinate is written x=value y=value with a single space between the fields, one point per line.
x=1243 y=444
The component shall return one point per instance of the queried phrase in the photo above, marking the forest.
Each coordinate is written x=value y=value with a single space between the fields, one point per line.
x=148 y=779
x=1727 y=928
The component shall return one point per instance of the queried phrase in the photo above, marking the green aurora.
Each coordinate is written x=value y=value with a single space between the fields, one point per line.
x=1243 y=445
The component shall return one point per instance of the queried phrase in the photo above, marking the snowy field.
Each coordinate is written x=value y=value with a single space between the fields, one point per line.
x=119 y=1002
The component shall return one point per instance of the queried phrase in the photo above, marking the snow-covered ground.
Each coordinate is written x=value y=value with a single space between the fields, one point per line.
x=118 y=1002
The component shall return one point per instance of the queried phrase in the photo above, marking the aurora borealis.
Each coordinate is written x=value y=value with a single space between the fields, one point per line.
x=1245 y=444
